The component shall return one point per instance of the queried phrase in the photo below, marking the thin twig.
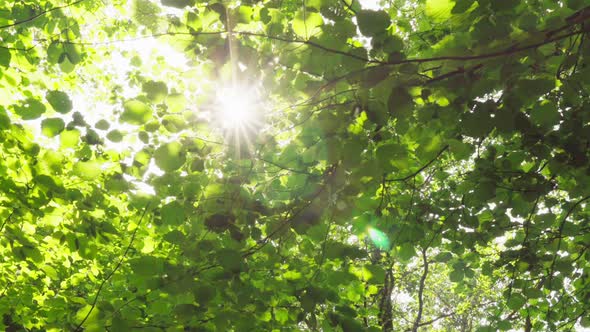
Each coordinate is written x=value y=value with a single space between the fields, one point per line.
x=78 y=328
x=29 y=19
x=407 y=177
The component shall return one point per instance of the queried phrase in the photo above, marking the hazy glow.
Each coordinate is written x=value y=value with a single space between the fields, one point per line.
x=380 y=239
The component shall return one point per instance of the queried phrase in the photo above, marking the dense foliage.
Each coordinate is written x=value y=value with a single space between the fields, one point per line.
x=418 y=165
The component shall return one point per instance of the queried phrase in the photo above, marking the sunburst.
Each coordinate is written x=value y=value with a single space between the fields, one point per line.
x=238 y=113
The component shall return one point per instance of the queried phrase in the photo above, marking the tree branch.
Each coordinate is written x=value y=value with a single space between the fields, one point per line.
x=506 y=52
x=560 y=230
x=421 y=292
x=7 y=219
x=509 y=51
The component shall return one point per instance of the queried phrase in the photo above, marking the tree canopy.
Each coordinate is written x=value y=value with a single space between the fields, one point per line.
x=279 y=165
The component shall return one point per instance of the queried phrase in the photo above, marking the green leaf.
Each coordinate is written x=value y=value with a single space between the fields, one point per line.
x=373 y=23
x=4 y=119
x=102 y=124
x=173 y=213
x=174 y=123
x=504 y=325
x=230 y=260
x=406 y=251
x=5 y=57
x=516 y=301
x=456 y=275
x=119 y=324
x=219 y=222
x=170 y=156
x=377 y=274
x=443 y=257
x=462 y=6
x=530 y=89
x=281 y=315
x=176 y=102
x=177 y=3
x=92 y=319
x=439 y=10
x=147 y=265
x=485 y=190
x=88 y=169
x=545 y=114
x=460 y=149
x=391 y=156
x=70 y=138
x=52 y=127
x=175 y=237
x=115 y=136
x=54 y=51
x=400 y=102
x=575 y=4
x=502 y=5
x=292 y=275
x=60 y=101
x=30 y=109
x=307 y=24
x=72 y=53
x=476 y=124
x=136 y=112
x=155 y=91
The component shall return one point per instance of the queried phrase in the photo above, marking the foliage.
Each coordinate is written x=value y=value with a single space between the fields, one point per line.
x=423 y=165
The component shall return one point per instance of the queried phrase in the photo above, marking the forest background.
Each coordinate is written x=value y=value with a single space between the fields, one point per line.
x=279 y=165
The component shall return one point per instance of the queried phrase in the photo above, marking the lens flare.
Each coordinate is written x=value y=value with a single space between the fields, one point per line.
x=380 y=239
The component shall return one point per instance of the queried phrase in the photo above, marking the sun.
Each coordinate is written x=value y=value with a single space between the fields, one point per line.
x=236 y=108
x=239 y=114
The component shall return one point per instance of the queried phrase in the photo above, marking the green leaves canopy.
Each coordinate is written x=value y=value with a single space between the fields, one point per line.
x=431 y=176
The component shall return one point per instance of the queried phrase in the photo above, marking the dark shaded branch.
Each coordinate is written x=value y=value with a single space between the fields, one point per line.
x=453 y=73
x=509 y=51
